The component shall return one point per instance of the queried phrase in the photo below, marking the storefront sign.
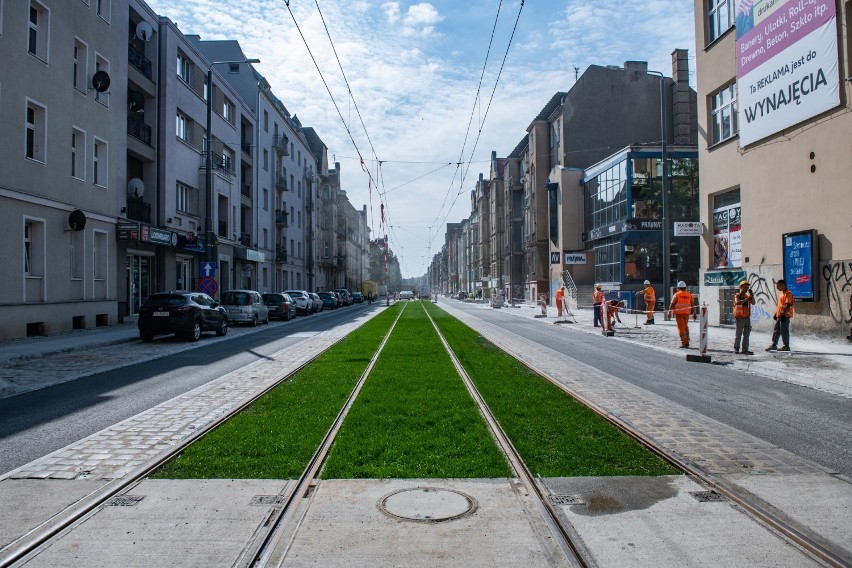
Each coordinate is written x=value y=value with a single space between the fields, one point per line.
x=159 y=236
x=575 y=258
x=127 y=231
x=687 y=229
x=800 y=264
x=643 y=225
x=554 y=257
x=255 y=255
x=786 y=64
x=729 y=278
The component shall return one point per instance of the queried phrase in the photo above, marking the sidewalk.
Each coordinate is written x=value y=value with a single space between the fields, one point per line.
x=30 y=347
x=816 y=362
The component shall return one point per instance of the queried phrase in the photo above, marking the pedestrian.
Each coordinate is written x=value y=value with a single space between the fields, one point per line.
x=743 y=300
x=560 y=297
x=783 y=314
x=612 y=313
x=650 y=302
x=682 y=308
x=597 y=300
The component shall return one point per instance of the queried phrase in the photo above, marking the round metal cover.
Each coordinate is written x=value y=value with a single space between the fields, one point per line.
x=77 y=220
x=427 y=504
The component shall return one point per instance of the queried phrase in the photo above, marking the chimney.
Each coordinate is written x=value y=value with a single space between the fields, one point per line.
x=680 y=66
x=640 y=66
x=684 y=101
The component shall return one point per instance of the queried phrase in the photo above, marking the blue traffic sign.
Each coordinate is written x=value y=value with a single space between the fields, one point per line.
x=208 y=269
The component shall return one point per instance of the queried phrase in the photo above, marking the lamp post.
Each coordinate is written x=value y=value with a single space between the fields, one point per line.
x=210 y=236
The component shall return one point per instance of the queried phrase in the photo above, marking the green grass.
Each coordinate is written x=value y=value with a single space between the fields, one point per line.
x=414 y=418
x=556 y=435
x=276 y=436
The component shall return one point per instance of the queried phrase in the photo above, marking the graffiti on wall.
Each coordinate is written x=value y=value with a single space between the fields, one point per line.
x=838 y=290
x=765 y=296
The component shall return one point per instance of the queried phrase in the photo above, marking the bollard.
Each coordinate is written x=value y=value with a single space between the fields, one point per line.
x=543 y=304
x=702 y=356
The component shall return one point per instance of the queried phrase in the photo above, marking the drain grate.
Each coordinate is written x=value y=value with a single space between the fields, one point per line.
x=567 y=500
x=267 y=500
x=123 y=500
x=708 y=496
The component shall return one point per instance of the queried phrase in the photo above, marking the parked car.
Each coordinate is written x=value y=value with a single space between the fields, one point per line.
x=340 y=301
x=280 y=306
x=317 y=302
x=186 y=314
x=357 y=297
x=304 y=303
x=406 y=295
x=329 y=300
x=344 y=293
x=245 y=306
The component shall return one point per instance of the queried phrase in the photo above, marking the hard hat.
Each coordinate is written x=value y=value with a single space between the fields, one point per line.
x=743 y=282
x=681 y=284
x=647 y=282
x=599 y=286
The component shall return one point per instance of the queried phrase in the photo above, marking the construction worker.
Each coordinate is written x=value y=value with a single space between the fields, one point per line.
x=743 y=300
x=650 y=302
x=612 y=313
x=783 y=314
x=597 y=300
x=682 y=308
x=560 y=297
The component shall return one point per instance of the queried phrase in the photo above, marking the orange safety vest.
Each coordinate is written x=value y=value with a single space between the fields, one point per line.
x=682 y=302
x=597 y=297
x=785 y=298
x=559 y=294
x=742 y=307
x=650 y=295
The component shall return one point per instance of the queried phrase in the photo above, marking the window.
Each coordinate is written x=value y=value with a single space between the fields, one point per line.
x=102 y=64
x=265 y=238
x=299 y=185
x=39 y=30
x=33 y=252
x=265 y=277
x=184 y=68
x=554 y=145
x=102 y=7
x=182 y=194
x=719 y=18
x=300 y=219
x=265 y=121
x=99 y=163
x=78 y=241
x=78 y=154
x=80 y=65
x=183 y=127
x=228 y=110
x=234 y=68
x=265 y=199
x=36 y=136
x=99 y=256
x=723 y=113
x=727 y=230
x=326 y=251
x=266 y=160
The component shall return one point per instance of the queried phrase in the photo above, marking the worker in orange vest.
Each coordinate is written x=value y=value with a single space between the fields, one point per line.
x=560 y=297
x=597 y=300
x=743 y=300
x=612 y=313
x=682 y=308
x=650 y=302
x=783 y=315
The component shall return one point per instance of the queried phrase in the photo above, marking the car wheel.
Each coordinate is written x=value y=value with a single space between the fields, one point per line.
x=195 y=333
x=223 y=328
x=146 y=337
x=267 y=320
x=287 y=315
x=254 y=321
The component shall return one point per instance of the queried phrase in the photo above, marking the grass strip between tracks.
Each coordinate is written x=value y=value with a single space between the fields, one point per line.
x=556 y=435
x=414 y=417
x=276 y=436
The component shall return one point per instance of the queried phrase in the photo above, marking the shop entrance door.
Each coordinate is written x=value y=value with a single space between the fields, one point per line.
x=138 y=282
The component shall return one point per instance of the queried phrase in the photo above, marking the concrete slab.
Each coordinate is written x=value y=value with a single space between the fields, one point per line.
x=344 y=527
x=187 y=523
x=656 y=522
x=29 y=502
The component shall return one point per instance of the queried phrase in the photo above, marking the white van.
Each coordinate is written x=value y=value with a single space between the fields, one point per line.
x=406 y=295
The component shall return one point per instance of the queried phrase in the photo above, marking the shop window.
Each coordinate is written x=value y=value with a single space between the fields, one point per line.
x=727 y=230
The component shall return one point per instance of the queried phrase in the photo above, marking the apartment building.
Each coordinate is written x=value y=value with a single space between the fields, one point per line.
x=774 y=85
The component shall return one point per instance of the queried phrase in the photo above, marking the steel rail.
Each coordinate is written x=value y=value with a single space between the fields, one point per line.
x=573 y=551
x=821 y=552
x=42 y=534
x=260 y=551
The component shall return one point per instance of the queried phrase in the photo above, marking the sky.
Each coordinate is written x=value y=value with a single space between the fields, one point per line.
x=425 y=85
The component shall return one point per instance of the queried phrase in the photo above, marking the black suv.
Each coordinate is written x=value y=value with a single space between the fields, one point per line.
x=185 y=314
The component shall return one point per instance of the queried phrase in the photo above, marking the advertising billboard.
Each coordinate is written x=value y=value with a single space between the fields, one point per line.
x=787 y=69
x=801 y=263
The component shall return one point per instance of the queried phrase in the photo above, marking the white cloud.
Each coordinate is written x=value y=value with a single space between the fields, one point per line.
x=391 y=10
x=422 y=14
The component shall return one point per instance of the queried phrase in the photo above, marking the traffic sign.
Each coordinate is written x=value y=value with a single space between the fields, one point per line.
x=208 y=286
x=208 y=269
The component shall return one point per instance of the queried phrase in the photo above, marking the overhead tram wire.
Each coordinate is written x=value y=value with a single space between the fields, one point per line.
x=417 y=178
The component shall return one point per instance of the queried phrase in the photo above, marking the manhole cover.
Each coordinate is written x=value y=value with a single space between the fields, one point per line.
x=567 y=500
x=427 y=504
x=123 y=500
x=707 y=496
x=267 y=500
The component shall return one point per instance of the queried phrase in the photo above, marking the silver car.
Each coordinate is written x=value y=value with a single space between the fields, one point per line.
x=304 y=303
x=245 y=306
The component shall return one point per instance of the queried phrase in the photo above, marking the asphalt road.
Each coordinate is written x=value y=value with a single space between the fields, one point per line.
x=36 y=423
x=807 y=422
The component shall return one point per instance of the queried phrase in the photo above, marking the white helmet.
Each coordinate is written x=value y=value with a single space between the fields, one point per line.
x=681 y=284
x=647 y=282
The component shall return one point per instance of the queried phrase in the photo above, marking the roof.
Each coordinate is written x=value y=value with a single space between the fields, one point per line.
x=519 y=149
x=551 y=106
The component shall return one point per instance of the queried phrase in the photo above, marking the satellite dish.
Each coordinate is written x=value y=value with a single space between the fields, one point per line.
x=144 y=31
x=100 y=81
x=77 y=220
x=136 y=101
x=136 y=187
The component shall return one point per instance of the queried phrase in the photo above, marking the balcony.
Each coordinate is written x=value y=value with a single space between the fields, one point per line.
x=280 y=182
x=281 y=144
x=245 y=146
x=140 y=62
x=281 y=218
x=245 y=190
x=139 y=130
x=221 y=163
x=245 y=240
x=138 y=210
x=529 y=241
x=280 y=254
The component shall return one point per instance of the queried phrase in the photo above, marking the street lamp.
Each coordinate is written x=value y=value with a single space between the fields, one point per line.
x=211 y=241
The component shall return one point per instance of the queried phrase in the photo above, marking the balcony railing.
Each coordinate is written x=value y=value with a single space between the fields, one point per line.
x=280 y=254
x=221 y=163
x=281 y=182
x=280 y=217
x=138 y=210
x=281 y=144
x=246 y=147
x=245 y=189
x=245 y=240
x=139 y=61
x=139 y=130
